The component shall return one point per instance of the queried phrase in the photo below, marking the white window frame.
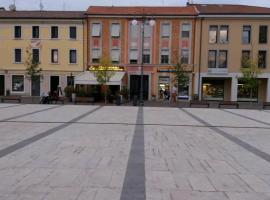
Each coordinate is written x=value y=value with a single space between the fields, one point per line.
x=57 y=32
x=57 y=56
x=14 y=32
x=70 y=32
x=38 y=54
x=92 y=29
x=70 y=59
x=14 y=56
x=119 y=30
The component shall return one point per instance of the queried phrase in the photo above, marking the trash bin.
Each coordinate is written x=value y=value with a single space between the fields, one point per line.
x=118 y=100
x=135 y=100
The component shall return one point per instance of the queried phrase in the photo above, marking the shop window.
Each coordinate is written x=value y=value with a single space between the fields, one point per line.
x=246 y=34
x=246 y=94
x=263 y=34
x=17 y=32
x=213 y=34
x=164 y=87
x=262 y=59
x=17 y=83
x=213 y=89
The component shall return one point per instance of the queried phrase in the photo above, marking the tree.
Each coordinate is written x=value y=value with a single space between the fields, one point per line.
x=250 y=71
x=33 y=71
x=103 y=73
x=181 y=76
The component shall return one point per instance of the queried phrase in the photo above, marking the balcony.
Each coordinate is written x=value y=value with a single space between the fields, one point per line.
x=217 y=70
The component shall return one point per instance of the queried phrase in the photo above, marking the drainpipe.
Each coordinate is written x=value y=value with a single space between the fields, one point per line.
x=200 y=56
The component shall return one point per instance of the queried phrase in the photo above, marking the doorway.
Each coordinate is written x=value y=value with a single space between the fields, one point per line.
x=35 y=85
x=135 y=85
x=54 y=82
x=2 y=85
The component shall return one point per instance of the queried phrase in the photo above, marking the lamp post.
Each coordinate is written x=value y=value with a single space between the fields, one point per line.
x=72 y=79
x=144 y=21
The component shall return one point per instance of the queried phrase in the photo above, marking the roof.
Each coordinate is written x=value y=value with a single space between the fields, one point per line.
x=142 y=10
x=230 y=9
x=42 y=15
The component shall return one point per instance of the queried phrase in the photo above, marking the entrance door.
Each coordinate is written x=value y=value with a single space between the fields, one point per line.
x=54 y=83
x=2 y=85
x=36 y=86
x=135 y=85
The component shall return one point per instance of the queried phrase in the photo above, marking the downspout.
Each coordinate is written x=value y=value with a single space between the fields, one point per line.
x=200 y=56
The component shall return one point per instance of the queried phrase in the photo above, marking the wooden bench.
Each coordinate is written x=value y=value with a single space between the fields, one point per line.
x=59 y=99
x=266 y=105
x=84 y=100
x=11 y=98
x=228 y=103
x=200 y=103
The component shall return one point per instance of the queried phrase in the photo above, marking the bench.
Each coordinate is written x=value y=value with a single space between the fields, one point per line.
x=59 y=99
x=11 y=98
x=266 y=105
x=84 y=100
x=228 y=103
x=200 y=103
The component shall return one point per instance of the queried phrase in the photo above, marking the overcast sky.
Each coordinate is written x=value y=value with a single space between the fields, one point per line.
x=83 y=4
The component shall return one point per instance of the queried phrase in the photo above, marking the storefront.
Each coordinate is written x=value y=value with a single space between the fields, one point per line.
x=213 y=89
x=246 y=94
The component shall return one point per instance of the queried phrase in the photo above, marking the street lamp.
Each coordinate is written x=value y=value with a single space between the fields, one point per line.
x=144 y=21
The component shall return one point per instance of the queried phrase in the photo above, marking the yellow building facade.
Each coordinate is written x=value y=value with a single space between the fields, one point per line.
x=55 y=40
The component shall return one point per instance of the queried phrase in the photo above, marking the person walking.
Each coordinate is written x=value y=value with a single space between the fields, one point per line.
x=174 y=93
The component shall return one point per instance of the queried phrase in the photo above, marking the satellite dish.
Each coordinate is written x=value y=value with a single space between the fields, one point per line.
x=12 y=7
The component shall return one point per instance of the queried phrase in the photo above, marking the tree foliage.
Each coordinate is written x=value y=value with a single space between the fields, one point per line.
x=32 y=67
x=181 y=75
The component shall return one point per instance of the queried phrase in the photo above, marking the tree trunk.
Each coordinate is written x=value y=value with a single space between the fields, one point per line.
x=105 y=94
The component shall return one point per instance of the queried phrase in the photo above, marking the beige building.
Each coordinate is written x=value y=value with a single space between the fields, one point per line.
x=55 y=39
x=225 y=36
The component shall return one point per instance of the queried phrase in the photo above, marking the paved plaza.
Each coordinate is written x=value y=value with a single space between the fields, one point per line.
x=83 y=152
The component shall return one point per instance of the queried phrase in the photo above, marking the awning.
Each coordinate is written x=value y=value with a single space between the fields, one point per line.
x=88 y=78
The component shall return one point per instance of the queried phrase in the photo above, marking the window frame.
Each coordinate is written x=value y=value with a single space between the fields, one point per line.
x=111 y=30
x=52 y=56
x=14 y=91
x=242 y=57
x=57 y=32
x=219 y=60
x=209 y=34
x=70 y=32
x=162 y=56
x=76 y=60
x=14 y=60
x=250 y=33
x=38 y=55
x=227 y=34
x=265 y=59
x=35 y=35
x=20 y=35
x=260 y=34
x=215 y=61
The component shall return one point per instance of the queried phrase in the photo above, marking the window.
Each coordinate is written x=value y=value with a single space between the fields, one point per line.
x=146 y=56
x=54 y=32
x=262 y=59
x=73 y=32
x=70 y=80
x=212 y=59
x=164 y=56
x=72 y=56
x=134 y=31
x=95 y=55
x=213 y=34
x=222 y=59
x=245 y=93
x=147 y=30
x=18 y=55
x=165 y=30
x=115 y=30
x=246 y=34
x=54 y=56
x=223 y=34
x=17 y=32
x=133 y=56
x=35 y=55
x=96 y=30
x=115 y=55
x=245 y=58
x=185 y=30
x=17 y=83
x=184 y=56
x=35 y=32
x=263 y=34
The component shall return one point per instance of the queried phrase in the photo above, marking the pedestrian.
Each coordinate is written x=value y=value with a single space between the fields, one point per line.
x=174 y=93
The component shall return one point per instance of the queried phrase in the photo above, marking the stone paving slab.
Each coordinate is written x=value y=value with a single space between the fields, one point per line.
x=98 y=154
